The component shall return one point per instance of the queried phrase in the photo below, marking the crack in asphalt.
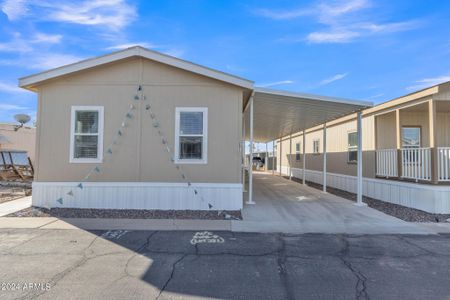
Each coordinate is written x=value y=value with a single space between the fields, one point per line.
x=174 y=265
x=360 y=287
x=282 y=270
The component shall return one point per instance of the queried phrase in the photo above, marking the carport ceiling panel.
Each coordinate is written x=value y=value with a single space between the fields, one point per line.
x=277 y=116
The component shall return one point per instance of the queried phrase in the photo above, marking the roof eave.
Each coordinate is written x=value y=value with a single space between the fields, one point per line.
x=28 y=82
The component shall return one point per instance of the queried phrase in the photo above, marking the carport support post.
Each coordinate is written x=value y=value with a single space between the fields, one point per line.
x=304 y=159
x=359 y=185
x=290 y=157
x=250 y=171
x=324 y=157
x=273 y=158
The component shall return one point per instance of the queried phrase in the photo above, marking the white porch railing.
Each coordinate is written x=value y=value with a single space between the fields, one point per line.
x=444 y=163
x=416 y=163
x=387 y=162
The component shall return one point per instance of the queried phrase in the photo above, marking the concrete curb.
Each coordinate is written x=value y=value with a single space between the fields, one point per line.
x=113 y=224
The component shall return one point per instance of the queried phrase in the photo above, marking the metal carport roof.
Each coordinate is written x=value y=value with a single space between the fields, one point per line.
x=280 y=113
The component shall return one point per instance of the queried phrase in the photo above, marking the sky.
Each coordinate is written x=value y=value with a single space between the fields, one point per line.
x=358 y=49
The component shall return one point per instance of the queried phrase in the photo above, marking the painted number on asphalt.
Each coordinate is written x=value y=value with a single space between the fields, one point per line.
x=206 y=237
x=114 y=234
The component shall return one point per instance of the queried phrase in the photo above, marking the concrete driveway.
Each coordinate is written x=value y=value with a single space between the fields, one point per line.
x=287 y=206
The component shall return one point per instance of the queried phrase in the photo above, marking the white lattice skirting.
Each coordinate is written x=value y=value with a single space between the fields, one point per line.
x=430 y=198
x=139 y=195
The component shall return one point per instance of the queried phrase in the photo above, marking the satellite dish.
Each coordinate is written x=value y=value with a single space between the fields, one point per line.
x=22 y=118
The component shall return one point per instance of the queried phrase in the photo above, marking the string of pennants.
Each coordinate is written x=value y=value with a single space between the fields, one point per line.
x=119 y=133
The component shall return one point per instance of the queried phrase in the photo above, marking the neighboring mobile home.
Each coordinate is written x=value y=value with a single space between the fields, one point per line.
x=406 y=151
x=138 y=129
x=15 y=139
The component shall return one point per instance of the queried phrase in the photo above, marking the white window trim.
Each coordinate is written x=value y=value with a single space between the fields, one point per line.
x=314 y=148
x=204 y=159
x=298 y=152
x=99 y=158
x=351 y=149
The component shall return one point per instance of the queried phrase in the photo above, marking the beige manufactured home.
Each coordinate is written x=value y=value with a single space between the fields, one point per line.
x=405 y=151
x=138 y=129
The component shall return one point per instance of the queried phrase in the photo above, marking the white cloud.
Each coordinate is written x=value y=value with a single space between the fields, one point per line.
x=333 y=79
x=5 y=106
x=43 y=61
x=332 y=37
x=428 y=82
x=14 y=9
x=342 y=20
x=282 y=15
x=10 y=88
x=282 y=82
x=46 y=38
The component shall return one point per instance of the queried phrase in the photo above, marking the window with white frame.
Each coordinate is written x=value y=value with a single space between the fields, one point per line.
x=316 y=146
x=297 y=151
x=86 y=134
x=352 y=147
x=191 y=132
x=411 y=137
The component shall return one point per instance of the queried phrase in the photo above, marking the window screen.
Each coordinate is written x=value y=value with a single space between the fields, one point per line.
x=191 y=134
x=352 y=147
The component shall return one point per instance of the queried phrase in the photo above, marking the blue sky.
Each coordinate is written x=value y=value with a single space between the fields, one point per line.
x=360 y=49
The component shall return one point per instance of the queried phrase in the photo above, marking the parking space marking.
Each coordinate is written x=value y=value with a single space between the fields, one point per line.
x=206 y=237
x=114 y=234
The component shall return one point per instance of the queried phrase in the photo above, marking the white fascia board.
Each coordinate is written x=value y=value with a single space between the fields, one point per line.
x=28 y=81
x=362 y=104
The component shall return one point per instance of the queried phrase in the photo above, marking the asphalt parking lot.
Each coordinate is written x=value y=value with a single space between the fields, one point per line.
x=76 y=264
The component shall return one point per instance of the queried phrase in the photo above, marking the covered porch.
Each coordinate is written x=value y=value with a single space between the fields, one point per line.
x=270 y=115
x=413 y=142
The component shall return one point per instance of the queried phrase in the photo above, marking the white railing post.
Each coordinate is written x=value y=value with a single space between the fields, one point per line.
x=443 y=163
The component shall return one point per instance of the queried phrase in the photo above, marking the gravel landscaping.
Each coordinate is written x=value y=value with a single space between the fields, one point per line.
x=127 y=213
x=402 y=212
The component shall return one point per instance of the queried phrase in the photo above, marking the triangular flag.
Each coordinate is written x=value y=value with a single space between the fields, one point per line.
x=195 y=192
x=189 y=184
x=124 y=124
x=152 y=115
x=140 y=88
x=145 y=98
x=97 y=169
x=119 y=132
x=156 y=124
x=172 y=159
x=164 y=141
x=109 y=151
x=182 y=176
x=128 y=115
x=210 y=206
x=80 y=185
x=131 y=106
x=70 y=193
x=60 y=201
x=136 y=97
x=147 y=107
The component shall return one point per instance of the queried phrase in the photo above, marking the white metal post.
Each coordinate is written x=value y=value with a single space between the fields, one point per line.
x=304 y=158
x=290 y=157
x=244 y=158
x=324 y=157
x=273 y=158
x=250 y=171
x=266 y=159
x=359 y=194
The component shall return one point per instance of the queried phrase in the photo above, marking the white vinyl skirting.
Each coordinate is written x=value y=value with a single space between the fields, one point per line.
x=429 y=198
x=137 y=195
